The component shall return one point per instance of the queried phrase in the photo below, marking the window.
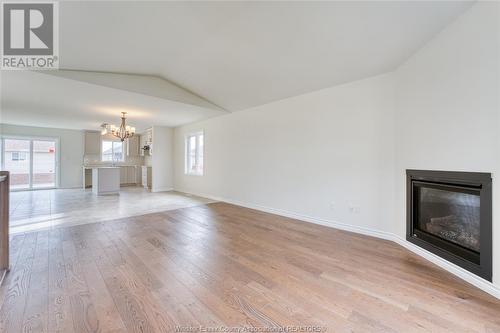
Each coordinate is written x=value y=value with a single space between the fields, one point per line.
x=18 y=156
x=112 y=151
x=194 y=154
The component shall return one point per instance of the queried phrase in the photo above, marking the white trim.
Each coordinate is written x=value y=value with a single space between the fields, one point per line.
x=162 y=189
x=458 y=271
x=465 y=275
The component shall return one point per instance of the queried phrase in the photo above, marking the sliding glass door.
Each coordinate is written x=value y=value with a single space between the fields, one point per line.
x=31 y=162
x=17 y=160
x=44 y=164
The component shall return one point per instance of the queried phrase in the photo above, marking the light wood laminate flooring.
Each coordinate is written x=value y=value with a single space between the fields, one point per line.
x=220 y=265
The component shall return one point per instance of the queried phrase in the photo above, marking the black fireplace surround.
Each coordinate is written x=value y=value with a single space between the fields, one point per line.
x=450 y=214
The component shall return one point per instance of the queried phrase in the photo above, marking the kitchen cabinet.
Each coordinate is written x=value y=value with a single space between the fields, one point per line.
x=133 y=145
x=128 y=175
x=131 y=173
x=146 y=176
x=142 y=142
x=92 y=143
x=123 y=175
x=87 y=177
x=146 y=139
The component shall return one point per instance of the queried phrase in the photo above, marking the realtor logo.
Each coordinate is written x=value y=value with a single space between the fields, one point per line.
x=30 y=35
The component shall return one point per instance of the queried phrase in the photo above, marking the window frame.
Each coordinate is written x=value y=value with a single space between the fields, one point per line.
x=21 y=156
x=187 y=157
x=113 y=151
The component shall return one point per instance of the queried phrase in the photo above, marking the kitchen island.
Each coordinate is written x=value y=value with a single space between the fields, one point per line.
x=130 y=174
x=105 y=180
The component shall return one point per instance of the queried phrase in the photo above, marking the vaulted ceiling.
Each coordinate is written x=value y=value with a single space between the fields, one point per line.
x=193 y=60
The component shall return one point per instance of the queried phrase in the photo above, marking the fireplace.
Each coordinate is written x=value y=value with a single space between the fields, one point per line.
x=449 y=214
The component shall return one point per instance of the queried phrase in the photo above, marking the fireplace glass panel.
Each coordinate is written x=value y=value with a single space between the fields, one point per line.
x=450 y=214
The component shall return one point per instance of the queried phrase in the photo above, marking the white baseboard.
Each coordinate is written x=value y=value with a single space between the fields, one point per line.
x=465 y=275
x=162 y=189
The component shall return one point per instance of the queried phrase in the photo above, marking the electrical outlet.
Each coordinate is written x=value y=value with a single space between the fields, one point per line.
x=332 y=205
x=354 y=209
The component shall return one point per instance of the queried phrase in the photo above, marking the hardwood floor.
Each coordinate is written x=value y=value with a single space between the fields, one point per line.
x=220 y=264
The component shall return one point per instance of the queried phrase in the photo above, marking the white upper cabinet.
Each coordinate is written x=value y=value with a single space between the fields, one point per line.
x=142 y=142
x=92 y=143
x=146 y=140
x=133 y=145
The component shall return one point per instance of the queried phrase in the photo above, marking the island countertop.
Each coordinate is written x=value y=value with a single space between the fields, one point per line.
x=110 y=166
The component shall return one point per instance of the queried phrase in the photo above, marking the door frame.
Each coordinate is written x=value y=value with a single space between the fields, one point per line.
x=57 y=158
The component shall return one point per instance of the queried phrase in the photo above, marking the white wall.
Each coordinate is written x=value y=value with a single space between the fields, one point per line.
x=71 y=150
x=162 y=159
x=304 y=153
x=351 y=144
x=447 y=109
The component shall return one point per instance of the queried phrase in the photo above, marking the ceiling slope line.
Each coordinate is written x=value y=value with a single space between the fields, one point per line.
x=144 y=84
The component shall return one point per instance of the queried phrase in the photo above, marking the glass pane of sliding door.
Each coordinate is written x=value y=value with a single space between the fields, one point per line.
x=17 y=160
x=44 y=164
x=31 y=162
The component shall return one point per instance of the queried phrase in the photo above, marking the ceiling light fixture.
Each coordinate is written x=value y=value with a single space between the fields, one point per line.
x=104 y=128
x=123 y=132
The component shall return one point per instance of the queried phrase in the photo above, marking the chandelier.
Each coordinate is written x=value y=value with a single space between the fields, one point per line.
x=123 y=132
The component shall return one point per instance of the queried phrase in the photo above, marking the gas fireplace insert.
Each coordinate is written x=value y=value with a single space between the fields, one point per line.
x=449 y=214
